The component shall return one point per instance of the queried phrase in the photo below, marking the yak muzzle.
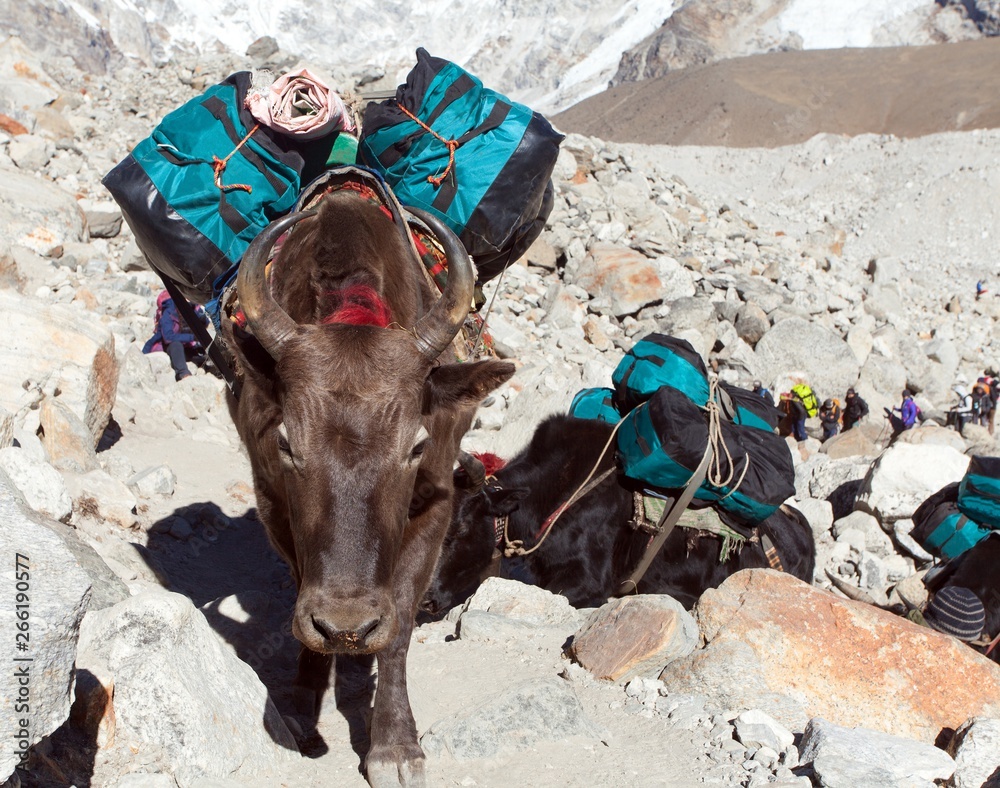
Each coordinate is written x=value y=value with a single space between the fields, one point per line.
x=360 y=624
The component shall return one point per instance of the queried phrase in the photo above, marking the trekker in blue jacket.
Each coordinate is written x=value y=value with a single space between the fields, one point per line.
x=908 y=412
x=171 y=334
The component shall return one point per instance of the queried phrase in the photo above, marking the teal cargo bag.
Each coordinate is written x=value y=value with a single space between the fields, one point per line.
x=596 y=405
x=662 y=441
x=979 y=492
x=747 y=409
x=942 y=529
x=655 y=361
x=760 y=471
x=953 y=535
x=479 y=161
x=206 y=181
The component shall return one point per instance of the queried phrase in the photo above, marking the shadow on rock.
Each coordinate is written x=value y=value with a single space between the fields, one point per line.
x=228 y=569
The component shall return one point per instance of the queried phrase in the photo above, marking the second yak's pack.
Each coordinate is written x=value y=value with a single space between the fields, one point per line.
x=661 y=442
x=655 y=361
x=479 y=161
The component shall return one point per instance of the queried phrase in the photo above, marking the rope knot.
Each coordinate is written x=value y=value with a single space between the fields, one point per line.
x=219 y=166
x=452 y=146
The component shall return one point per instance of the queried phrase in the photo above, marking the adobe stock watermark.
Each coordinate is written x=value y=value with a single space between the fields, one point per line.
x=22 y=659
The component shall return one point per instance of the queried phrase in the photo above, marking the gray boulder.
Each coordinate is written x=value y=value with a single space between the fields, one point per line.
x=41 y=485
x=902 y=478
x=537 y=711
x=38 y=214
x=520 y=602
x=860 y=758
x=40 y=628
x=976 y=749
x=751 y=323
x=795 y=345
x=181 y=692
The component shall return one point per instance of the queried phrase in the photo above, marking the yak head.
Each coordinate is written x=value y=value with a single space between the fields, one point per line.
x=470 y=547
x=353 y=430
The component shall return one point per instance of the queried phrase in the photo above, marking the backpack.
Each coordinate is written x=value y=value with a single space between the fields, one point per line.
x=596 y=404
x=807 y=397
x=207 y=180
x=467 y=154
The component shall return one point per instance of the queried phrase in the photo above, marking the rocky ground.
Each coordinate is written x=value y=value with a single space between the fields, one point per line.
x=841 y=261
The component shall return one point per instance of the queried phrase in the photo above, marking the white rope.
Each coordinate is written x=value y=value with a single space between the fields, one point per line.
x=716 y=475
x=516 y=547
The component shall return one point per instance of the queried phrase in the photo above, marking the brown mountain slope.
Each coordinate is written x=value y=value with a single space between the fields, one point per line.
x=786 y=97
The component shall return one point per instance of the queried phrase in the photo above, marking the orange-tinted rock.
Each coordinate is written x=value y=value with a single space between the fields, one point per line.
x=11 y=126
x=633 y=636
x=772 y=642
x=68 y=442
x=61 y=347
x=853 y=443
x=622 y=276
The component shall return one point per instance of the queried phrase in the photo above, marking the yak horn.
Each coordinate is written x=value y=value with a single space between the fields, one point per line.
x=268 y=322
x=852 y=592
x=435 y=330
x=474 y=470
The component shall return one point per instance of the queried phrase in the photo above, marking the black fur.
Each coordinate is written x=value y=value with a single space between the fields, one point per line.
x=591 y=548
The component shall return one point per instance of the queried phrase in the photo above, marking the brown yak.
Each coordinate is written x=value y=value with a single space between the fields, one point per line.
x=352 y=433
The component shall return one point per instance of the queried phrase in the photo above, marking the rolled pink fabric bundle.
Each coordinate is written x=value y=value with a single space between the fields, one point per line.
x=300 y=103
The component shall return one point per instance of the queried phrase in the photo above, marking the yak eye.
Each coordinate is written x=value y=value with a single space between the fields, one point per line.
x=283 y=445
x=419 y=444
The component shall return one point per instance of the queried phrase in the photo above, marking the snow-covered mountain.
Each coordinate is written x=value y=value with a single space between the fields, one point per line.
x=548 y=53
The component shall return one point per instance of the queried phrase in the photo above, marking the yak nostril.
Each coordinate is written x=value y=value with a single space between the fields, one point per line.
x=325 y=630
x=366 y=629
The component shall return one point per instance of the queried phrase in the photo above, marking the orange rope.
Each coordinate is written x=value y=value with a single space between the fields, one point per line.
x=452 y=146
x=219 y=165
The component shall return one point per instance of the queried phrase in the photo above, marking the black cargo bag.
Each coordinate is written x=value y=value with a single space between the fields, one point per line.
x=479 y=161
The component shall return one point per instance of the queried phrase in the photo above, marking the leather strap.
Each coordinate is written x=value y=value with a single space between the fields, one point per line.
x=667 y=522
x=213 y=348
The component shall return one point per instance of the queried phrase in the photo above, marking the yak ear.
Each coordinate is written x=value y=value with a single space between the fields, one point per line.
x=501 y=501
x=463 y=384
x=249 y=356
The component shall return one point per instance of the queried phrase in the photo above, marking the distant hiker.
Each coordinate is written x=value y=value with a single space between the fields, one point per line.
x=960 y=413
x=829 y=416
x=763 y=393
x=982 y=404
x=992 y=379
x=855 y=409
x=807 y=397
x=172 y=335
x=795 y=416
x=907 y=411
x=980 y=289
